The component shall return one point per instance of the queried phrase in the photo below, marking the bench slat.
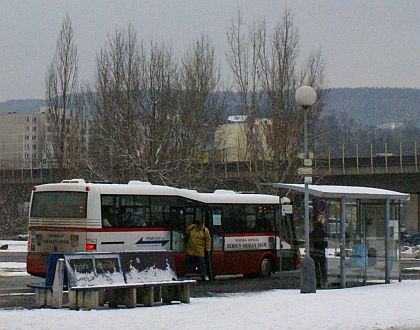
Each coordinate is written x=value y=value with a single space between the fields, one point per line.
x=131 y=285
x=39 y=286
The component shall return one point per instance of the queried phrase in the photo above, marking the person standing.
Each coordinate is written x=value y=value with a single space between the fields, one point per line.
x=198 y=243
x=319 y=245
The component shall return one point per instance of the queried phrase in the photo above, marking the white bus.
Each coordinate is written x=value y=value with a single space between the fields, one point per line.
x=78 y=216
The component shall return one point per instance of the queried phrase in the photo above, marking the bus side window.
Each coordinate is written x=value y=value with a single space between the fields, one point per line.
x=200 y=216
x=251 y=223
x=266 y=219
x=161 y=210
x=217 y=217
x=107 y=207
x=141 y=214
x=141 y=217
x=126 y=217
x=177 y=218
x=270 y=218
x=189 y=216
x=233 y=219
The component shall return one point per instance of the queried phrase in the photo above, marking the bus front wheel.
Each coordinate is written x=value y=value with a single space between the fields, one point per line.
x=266 y=267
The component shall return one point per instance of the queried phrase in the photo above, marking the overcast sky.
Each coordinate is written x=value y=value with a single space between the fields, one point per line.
x=365 y=43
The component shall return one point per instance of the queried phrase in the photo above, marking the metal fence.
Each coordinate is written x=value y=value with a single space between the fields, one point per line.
x=397 y=156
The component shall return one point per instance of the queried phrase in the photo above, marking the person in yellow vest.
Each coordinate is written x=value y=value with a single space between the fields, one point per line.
x=199 y=242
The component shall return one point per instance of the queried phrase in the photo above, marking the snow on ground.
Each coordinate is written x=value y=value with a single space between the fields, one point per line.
x=13 y=269
x=370 y=307
x=14 y=246
x=410 y=252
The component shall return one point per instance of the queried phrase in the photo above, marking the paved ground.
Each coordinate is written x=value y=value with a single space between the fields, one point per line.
x=12 y=256
x=15 y=294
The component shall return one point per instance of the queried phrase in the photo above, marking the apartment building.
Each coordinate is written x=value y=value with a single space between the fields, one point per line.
x=22 y=140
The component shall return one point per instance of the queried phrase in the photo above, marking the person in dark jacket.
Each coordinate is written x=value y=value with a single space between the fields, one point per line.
x=319 y=244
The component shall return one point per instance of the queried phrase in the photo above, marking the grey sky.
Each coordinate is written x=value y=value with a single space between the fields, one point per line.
x=365 y=43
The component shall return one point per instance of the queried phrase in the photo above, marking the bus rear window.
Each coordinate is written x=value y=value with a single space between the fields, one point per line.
x=59 y=204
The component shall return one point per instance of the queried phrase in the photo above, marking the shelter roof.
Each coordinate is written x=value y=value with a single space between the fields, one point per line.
x=349 y=192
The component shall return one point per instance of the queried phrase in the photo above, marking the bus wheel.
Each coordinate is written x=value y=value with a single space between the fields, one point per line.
x=265 y=268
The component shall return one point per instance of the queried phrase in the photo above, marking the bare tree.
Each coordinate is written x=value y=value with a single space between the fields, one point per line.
x=278 y=65
x=116 y=134
x=281 y=78
x=133 y=110
x=61 y=89
x=199 y=106
x=159 y=88
x=313 y=74
x=243 y=58
x=266 y=75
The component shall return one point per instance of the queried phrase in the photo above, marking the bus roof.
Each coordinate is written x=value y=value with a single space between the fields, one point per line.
x=146 y=188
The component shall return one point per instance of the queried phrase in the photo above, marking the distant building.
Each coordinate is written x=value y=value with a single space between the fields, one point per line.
x=237 y=119
x=22 y=140
x=391 y=125
x=237 y=141
x=26 y=140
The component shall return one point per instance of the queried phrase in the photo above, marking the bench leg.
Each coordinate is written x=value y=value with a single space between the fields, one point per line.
x=184 y=293
x=43 y=297
x=102 y=297
x=167 y=294
x=83 y=299
x=157 y=294
x=146 y=296
x=128 y=297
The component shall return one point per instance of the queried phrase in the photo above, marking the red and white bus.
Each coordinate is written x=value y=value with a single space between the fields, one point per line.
x=248 y=234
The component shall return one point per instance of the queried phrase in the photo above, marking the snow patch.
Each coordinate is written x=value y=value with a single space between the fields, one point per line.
x=13 y=269
x=91 y=279
x=410 y=252
x=14 y=246
x=151 y=274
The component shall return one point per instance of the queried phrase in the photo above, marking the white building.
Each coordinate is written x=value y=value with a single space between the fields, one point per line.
x=232 y=139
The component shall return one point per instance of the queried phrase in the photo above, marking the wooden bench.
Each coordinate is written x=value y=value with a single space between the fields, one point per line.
x=128 y=278
x=129 y=295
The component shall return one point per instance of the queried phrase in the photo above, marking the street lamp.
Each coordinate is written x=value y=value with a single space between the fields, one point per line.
x=305 y=97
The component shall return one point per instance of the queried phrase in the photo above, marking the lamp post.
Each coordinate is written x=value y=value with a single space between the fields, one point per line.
x=305 y=97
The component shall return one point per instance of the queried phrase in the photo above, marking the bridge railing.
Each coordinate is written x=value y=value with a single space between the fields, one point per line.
x=367 y=157
x=337 y=159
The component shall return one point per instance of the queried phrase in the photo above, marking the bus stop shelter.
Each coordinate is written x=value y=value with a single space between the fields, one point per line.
x=361 y=230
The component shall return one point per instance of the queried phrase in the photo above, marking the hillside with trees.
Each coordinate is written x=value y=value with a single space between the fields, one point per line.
x=375 y=106
x=21 y=106
x=367 y=106
x=371 y=118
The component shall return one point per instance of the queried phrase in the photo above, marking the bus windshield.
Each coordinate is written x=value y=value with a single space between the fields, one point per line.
x=59 y=204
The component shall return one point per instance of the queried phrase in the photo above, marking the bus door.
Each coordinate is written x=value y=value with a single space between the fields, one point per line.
x=215 y=226
x=289 y=256
x=178 y=237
